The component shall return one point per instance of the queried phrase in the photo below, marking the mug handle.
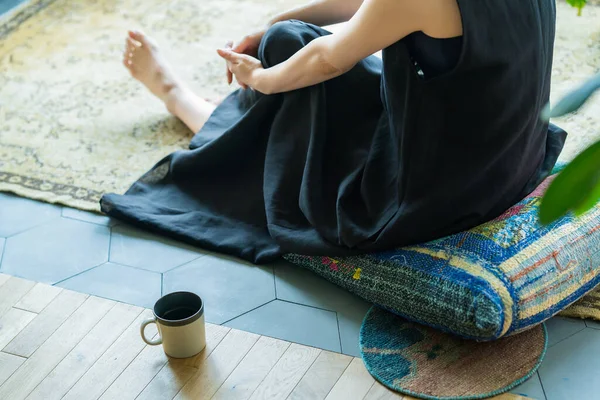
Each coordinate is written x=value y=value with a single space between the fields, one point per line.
x=151 y=342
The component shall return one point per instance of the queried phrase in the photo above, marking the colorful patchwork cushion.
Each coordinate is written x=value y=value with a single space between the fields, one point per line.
x=499 y=278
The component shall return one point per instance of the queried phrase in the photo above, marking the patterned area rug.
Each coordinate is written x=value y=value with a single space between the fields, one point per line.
x=426 y=363
x=75 y=125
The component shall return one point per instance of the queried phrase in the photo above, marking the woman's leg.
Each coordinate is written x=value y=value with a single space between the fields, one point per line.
x=145 y=61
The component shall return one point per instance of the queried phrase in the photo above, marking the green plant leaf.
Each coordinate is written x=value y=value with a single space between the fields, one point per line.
x=592 y=197
x=576 y=188
x=572 y=101
x=577 y=4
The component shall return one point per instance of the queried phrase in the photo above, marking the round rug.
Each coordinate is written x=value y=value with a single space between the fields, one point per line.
x=423 y=362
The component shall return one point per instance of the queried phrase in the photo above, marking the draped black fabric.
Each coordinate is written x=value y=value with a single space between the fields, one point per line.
x=383 y=156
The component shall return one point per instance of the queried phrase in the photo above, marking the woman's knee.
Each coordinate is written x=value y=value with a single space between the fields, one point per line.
x=283 y=40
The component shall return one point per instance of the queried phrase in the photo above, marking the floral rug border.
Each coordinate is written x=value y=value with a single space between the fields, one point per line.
x=41 y=189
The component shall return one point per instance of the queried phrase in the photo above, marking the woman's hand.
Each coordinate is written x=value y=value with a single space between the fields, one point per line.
x=245 y=68
x=248 y=45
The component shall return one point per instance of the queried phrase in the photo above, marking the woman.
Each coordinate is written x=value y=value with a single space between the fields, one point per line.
x=331 y=151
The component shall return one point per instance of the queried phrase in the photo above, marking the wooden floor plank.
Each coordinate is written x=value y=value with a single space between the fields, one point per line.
x=12 y=291
x=112 y=363
x=287 y=373
x=137 y=375
x=46 y=323
x=380 y=392
x=8 y=365
x=86 y=353
x=168 y=382
x=177 y=372
x=355 y=383
x=38 y=298
x=12 y=323
x=62 y=341
x=321 y=376
x=215 y=369
x=251 y=371
x=83 y=347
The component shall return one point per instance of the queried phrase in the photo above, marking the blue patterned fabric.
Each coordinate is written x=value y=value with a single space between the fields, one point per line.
x=499 y=278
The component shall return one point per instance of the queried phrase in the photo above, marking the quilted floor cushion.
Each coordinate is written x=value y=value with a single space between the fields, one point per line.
x=497 y=279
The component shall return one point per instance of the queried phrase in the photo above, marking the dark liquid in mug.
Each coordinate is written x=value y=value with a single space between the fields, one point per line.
x=179 y=313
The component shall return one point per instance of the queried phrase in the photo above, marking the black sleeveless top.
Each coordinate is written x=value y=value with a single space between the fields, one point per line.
x=470 y=142
x=430 y=56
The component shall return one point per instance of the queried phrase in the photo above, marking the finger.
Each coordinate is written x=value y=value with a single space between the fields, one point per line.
x=229 y=45
x=242 y=46
x=228 y=73
x=228 y=55
x=231 y=72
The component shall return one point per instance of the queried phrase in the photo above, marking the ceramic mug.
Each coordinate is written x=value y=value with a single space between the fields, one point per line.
x=179 y=318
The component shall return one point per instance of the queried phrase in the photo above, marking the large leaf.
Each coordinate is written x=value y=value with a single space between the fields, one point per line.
x=576 y=188
x=577 y=4
x=572 y=101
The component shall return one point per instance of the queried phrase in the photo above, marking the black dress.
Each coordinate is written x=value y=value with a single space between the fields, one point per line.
x=438 y=137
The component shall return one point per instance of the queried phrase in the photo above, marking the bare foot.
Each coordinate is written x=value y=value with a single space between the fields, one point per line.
x=146 y=63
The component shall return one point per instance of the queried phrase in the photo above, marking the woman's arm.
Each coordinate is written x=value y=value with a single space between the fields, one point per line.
x=376 y=25
x=321 y=12
x=318 y=12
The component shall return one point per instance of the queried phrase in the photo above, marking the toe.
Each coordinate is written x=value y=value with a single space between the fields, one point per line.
x=131 y=44
x=142 y=38
x=139 y=36
x=135 y=34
